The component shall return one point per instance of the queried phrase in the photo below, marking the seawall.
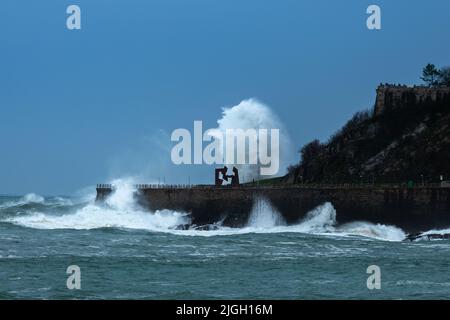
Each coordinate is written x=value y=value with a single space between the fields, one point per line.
x=413 y=209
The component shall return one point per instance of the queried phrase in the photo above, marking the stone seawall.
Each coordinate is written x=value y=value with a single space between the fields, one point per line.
x=413 y=209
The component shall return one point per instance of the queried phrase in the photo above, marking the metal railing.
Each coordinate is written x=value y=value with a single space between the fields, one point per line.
x=287 y=186
x=104 y=186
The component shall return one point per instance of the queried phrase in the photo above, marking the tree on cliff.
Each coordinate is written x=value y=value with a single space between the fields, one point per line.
x=431 y=75
x=310 y=151
x=444 y=76
x=407 y=144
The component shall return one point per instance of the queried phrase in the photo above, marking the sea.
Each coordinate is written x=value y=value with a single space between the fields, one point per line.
x=118 y=250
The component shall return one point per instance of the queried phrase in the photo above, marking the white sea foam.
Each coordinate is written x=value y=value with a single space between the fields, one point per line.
x=440 y=231
x=320 y=221
x=377 y=231
x=264 y=216
x=120 y=211
x=94 y=217
x=32 y=198
x=29 y=198
x=60 y=201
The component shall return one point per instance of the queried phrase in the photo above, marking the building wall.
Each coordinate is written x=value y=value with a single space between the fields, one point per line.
x=400 y=96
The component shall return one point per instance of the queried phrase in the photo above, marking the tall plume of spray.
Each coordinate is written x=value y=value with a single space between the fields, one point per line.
x=253 y=114
x=147 y=159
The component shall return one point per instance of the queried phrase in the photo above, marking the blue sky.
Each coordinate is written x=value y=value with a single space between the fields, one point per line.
x=83 y=107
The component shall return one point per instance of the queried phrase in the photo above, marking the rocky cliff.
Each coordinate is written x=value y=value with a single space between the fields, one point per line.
x=408 y=144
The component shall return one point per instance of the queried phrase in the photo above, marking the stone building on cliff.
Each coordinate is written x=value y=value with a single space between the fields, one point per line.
x=399 y=96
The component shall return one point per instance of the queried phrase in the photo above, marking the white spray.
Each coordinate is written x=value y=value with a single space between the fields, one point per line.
x=252 y=114
x=264 y=216
x=121 y=211
x=118 y=211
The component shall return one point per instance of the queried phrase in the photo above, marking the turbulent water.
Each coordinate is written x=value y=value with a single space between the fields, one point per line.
x=126 y=252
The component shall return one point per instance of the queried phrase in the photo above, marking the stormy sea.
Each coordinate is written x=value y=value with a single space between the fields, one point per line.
x=125 y=252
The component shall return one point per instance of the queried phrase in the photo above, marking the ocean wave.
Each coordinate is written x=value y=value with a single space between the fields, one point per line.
x=96 y=217
x=32 y=203
x=60 y=201
x=121 y=211
x=33 y=198
x=30 y=198
x=440 y=231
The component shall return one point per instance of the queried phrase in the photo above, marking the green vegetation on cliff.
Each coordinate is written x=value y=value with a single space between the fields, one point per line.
x=411 y=143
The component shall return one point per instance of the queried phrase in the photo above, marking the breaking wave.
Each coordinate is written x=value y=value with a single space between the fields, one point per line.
x=322 y=221
x=32 y=198
x=118 y=211
x=28 y=199
x=95 y=217
x=264 y=216
x=440 y=231
x=121 y=211
x=253 y=114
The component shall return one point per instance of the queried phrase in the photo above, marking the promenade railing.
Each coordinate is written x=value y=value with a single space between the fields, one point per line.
x=284 y=186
